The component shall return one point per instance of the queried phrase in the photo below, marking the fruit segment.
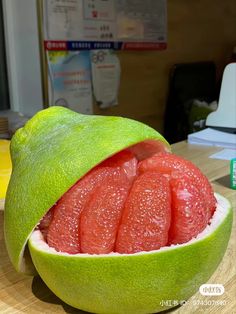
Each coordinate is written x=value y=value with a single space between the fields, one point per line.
x=189 y=216
x=100 y=219
x=174 y=166
x=63 y=230
x=146 y=218
x=193 y=199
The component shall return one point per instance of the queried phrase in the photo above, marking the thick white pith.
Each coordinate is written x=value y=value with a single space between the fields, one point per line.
x=221 y=212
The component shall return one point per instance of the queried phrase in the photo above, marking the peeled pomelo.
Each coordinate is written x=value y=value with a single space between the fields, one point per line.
x=50 y=154
x=115 y=208
x=134 y=283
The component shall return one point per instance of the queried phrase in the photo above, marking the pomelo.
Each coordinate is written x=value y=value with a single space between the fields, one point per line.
x=102 y=213
x=50 y=154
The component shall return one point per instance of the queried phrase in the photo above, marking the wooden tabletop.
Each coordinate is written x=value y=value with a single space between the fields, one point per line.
x=25 y=294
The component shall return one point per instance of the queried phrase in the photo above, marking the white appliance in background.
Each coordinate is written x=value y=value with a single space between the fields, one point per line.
x=225 y=116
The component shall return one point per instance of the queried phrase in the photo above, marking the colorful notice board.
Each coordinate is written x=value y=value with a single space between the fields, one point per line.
x=105 y=24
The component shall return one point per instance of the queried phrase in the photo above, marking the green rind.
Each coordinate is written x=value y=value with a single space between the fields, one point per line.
x=54 y=149
x=137 y=283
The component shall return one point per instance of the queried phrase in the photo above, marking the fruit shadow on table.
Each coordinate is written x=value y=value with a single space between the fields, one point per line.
x=44 y=294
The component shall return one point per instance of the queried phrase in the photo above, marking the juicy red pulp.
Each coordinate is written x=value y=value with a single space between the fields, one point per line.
x=125 y=205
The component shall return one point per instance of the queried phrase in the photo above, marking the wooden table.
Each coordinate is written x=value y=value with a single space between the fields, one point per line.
x=22 y=294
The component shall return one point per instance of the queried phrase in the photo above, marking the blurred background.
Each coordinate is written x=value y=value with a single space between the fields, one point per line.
x=161 y=88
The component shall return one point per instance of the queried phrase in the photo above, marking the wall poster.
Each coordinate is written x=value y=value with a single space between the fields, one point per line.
x=105 y=24
x=69 y=81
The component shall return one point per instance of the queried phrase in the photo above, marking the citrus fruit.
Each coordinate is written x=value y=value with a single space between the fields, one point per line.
x=164 y=206
x=50 y=154
x=100 y=215
x=56 y=152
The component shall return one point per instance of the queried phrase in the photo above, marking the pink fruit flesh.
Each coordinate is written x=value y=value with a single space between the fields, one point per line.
x=63 y=231
x=128 y=206
x=189 y=216
x=100 y=219
x=174 y=166
x=124 y=159
x=45 y=222
x=193 y=200
x=146 y=218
